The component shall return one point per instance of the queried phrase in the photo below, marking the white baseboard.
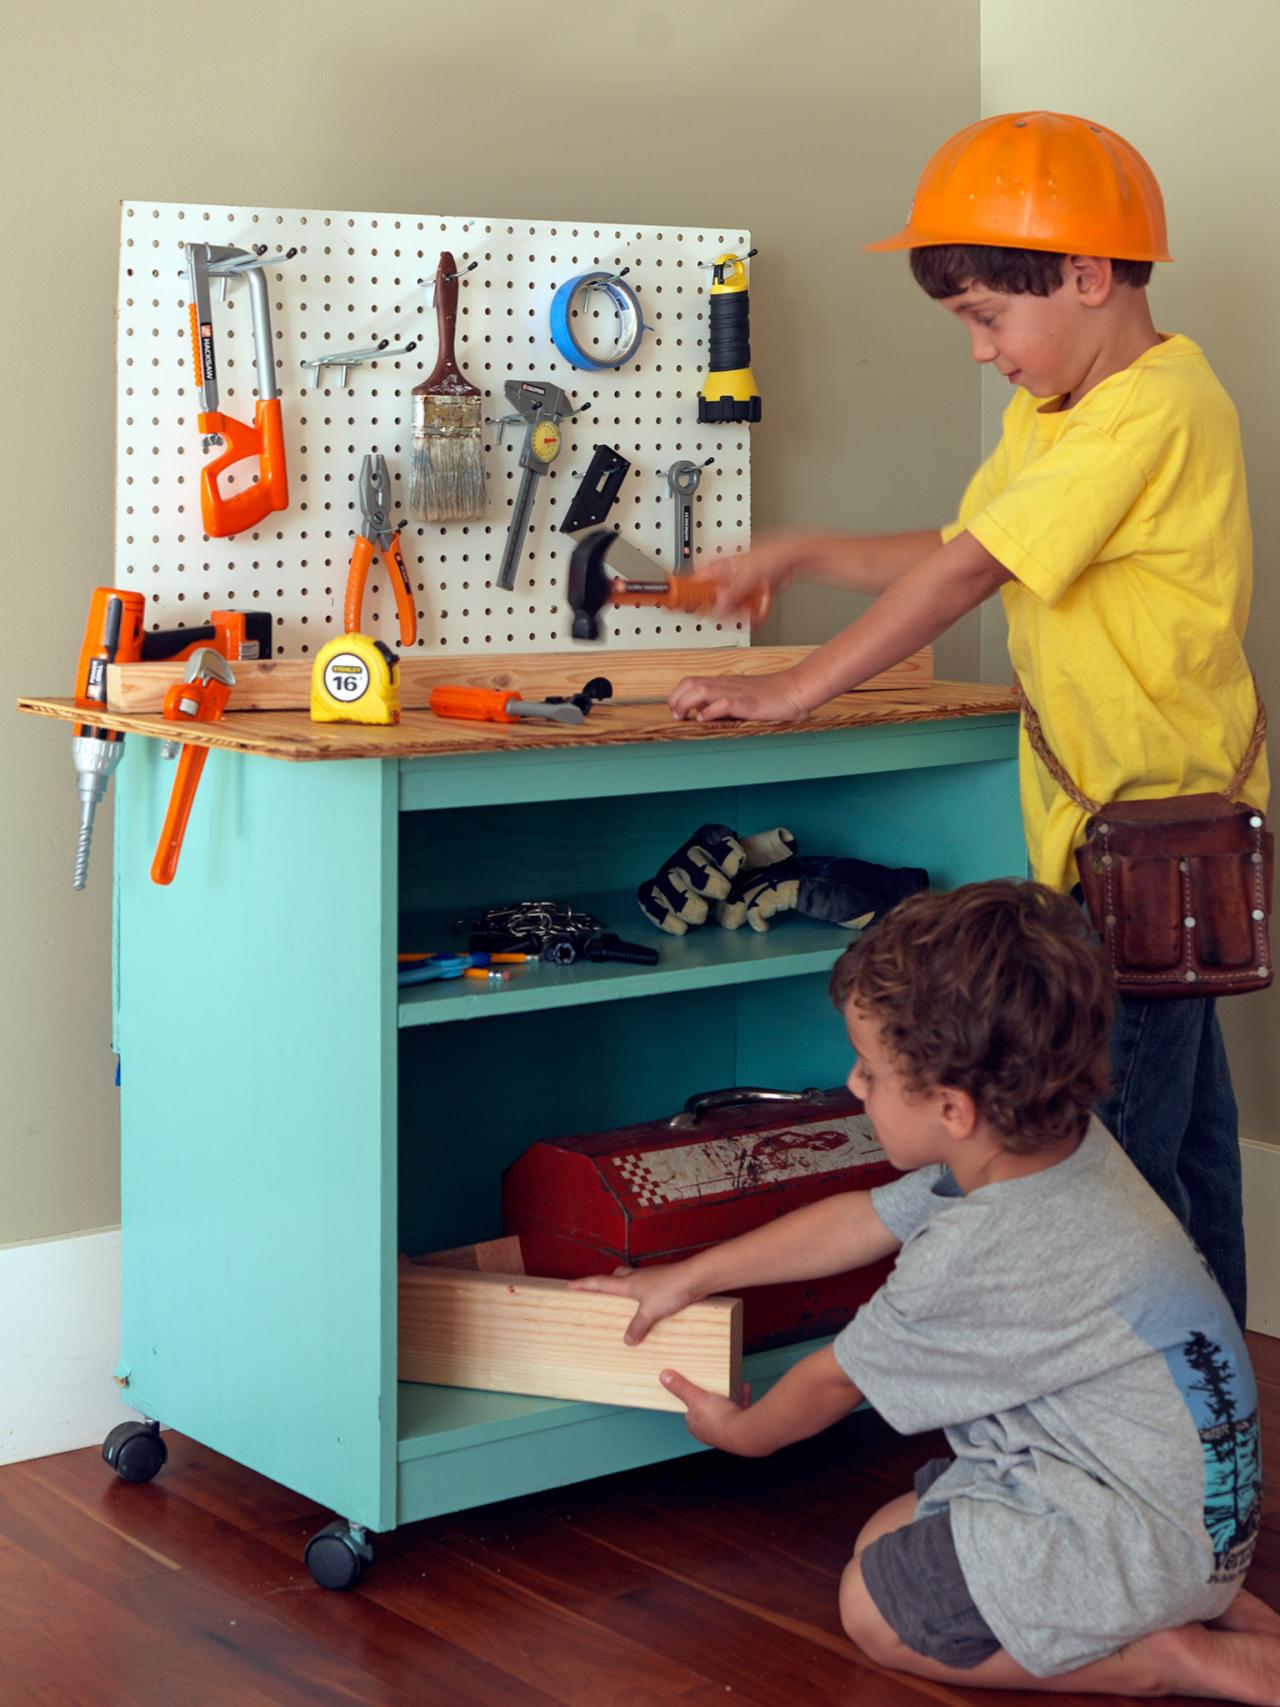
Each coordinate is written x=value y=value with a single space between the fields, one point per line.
x=1261 y=1224
x=60 y=1322
x=59 y=1341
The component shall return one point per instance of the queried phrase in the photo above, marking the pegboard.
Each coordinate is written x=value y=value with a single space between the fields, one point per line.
x=361 y=277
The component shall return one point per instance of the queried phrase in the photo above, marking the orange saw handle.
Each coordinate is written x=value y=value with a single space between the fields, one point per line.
x=693 y=594
x=233 y=512
x=481 y=705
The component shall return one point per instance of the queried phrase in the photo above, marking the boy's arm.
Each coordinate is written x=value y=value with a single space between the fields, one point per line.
x=862 y=563
x=919 y=606
x=830 y=1237
x=809 y=1397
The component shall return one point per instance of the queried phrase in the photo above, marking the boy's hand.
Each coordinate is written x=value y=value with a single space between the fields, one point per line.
x=769 y=566
x=658 y=1291
x=711 y=1418
x=762 y=699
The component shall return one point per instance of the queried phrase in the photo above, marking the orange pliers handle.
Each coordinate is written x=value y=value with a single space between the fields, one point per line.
x=481 y=705
x=689 y=593
x=194 y=702
x=401 y=586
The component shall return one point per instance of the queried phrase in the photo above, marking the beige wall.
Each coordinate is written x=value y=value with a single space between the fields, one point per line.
x=806 y=122
x=1193 y=87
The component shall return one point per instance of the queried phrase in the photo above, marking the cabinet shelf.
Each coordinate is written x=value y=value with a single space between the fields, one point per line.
x=705 y=957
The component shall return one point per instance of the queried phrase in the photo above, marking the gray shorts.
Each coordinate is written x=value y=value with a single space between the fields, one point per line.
x=913 y=1575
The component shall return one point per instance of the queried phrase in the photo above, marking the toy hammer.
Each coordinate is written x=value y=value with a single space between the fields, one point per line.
x=607 y=569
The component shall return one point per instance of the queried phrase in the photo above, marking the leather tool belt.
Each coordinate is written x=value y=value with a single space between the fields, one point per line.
x=1179 y=889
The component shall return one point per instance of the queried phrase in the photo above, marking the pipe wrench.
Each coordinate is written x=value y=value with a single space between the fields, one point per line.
x=376 y=533
x=224 y=513
x=541 y=408
x=201 y=698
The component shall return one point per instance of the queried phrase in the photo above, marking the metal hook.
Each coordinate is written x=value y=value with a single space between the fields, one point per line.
x=429 y=285
x=344 y=359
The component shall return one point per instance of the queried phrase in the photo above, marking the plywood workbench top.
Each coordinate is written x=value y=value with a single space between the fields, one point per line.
x=907 y=696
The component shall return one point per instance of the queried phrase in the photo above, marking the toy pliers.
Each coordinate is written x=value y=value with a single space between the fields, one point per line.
x=375 y=532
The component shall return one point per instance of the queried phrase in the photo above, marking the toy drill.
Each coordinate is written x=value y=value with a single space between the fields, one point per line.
x=114 y=635
x=730 y=392
x=224 y=513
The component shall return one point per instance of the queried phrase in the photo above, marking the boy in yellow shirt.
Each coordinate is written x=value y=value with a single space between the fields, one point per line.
x=1112 y=517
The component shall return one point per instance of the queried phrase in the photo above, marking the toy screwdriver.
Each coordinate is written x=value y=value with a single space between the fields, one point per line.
x=376 y=531
x=201 y=698
x=500 y=705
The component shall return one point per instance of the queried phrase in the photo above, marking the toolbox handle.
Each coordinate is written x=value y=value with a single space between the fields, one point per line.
x=707 y=1102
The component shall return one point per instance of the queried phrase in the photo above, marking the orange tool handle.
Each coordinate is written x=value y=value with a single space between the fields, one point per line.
x=112 y=635
x=482 y=705
x=186 y=702
x=691 y=593
x=190 y=764
x=403 y=589
x=357 y=575
x=223 y=514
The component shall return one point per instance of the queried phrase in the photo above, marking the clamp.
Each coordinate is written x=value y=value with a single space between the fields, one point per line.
x=376 y=532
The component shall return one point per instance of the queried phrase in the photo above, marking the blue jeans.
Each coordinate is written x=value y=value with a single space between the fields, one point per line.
x=1172 y=1109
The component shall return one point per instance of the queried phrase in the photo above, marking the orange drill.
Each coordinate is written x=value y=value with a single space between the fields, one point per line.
x=113 y=635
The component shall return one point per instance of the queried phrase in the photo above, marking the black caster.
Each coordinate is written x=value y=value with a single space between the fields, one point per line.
x=339 y=1556
x=135 y=1450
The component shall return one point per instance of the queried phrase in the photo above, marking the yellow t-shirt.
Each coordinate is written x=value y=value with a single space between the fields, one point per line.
x=1125 y=523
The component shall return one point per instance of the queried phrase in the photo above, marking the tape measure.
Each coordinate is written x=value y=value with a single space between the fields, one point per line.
x=355 y=679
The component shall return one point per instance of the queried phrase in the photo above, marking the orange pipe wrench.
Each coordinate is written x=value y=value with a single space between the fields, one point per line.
x=376 y=532
x=224 y=513
x=201 y=698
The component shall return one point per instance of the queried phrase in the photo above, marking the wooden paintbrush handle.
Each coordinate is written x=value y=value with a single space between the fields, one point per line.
x=446 y=379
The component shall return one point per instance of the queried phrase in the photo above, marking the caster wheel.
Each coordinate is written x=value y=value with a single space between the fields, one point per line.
x=338 y=1556
x=135 y=1450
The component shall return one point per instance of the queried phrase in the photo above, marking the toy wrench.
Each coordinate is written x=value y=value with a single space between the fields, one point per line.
x=376 y=532
x=201 y=698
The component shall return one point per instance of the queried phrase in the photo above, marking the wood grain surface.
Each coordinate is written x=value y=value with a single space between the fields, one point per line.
x=513 y=1333
x=292 y=735
x=284 y=684
x=705 y=1580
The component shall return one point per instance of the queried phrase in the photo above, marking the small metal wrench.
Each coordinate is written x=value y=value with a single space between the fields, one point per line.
x=682 y=482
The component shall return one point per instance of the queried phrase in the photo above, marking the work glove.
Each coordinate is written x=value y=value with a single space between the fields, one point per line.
x=848 y=892
x=701 y=871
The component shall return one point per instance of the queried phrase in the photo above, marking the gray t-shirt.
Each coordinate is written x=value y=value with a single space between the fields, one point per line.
x=1094 y=1387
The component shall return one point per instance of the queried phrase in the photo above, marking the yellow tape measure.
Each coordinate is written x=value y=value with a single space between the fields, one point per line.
x=355 y=679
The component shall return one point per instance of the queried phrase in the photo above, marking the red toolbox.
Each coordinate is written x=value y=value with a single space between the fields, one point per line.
x=730 y=1161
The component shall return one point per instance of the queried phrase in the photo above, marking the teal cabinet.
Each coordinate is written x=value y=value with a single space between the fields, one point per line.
x=290 y=1120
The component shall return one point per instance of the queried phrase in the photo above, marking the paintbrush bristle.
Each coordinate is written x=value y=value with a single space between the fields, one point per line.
x=446 y=468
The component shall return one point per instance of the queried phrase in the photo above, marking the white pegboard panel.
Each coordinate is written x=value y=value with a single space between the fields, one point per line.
x=358 y=278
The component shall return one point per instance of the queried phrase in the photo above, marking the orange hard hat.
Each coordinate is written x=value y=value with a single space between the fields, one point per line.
x=1038 y=181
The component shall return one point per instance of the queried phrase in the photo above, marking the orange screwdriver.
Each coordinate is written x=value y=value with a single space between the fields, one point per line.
x=499 y=705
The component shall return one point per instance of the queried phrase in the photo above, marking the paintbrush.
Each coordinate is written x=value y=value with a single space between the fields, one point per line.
x=446 y=464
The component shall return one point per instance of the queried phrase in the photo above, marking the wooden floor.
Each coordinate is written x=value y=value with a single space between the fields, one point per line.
x=708 y=1580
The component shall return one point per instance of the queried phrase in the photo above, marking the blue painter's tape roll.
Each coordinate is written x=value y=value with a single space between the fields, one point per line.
x=631 y=326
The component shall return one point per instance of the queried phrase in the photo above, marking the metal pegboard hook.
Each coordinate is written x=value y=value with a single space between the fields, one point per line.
x=720 y=267
x=344 y=359
x=429 y=285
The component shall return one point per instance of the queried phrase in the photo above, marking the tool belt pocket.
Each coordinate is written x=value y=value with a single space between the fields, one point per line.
x=1179 y=890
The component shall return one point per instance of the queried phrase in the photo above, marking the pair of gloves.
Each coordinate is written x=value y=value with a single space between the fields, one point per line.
x=751 y=879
